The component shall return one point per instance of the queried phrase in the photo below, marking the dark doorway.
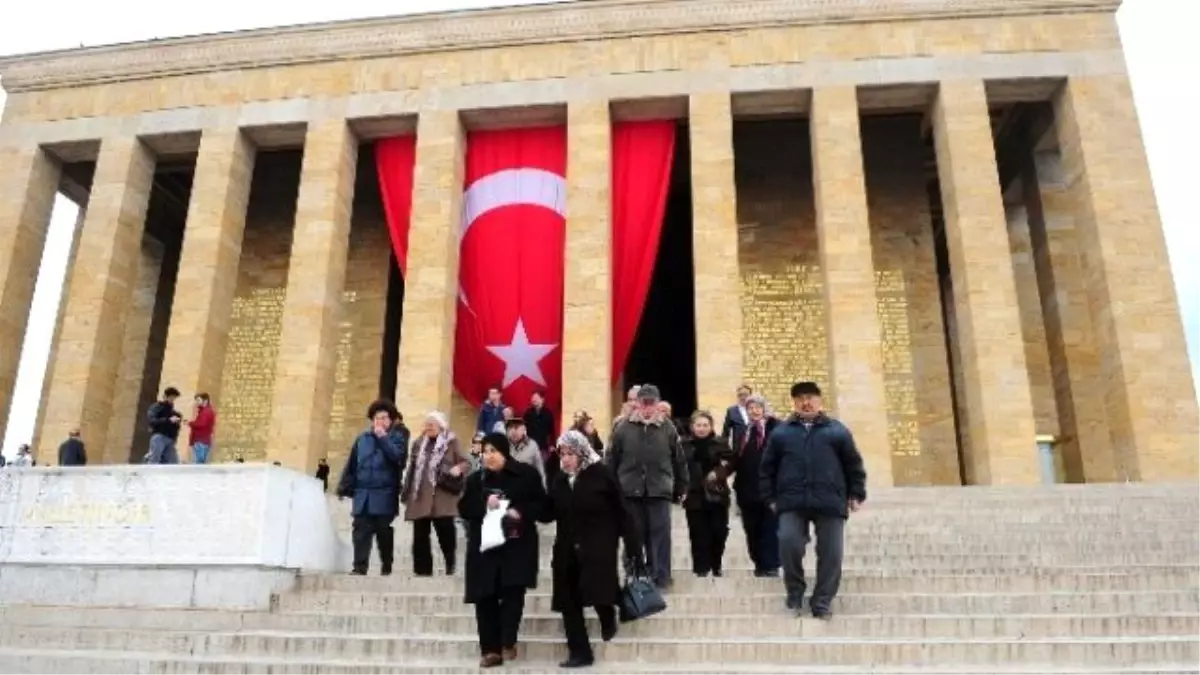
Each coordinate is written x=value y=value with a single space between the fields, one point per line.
x=664 y=350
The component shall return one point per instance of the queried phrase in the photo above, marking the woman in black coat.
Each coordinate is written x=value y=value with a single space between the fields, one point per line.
x=496 y=580
x=586 y=501
x=706 y=503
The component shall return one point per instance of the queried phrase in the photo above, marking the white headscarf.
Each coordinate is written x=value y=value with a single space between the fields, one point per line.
x=431 y=462
x=576 y=443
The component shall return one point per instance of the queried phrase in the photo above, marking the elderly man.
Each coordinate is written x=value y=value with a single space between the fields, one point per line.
x=812 y=478
x=646 y=456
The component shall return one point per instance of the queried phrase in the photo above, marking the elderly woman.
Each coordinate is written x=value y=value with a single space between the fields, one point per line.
x=586 y=501
x=432 y=484
x=710 y=463
x=498 y=578
x=759 y=522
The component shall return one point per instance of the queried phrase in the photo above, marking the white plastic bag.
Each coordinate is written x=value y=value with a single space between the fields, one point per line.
x=491 y=534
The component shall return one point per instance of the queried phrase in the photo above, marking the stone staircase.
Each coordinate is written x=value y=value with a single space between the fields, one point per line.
x=1063 y=579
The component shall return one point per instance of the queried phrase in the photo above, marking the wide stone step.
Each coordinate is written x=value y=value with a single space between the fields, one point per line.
x=1108 y=602
x=52 y=661
x=1110 y=650
x=853 y=581
x=669 y=625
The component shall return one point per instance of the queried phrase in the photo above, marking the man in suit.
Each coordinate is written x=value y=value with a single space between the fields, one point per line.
x=736 y=416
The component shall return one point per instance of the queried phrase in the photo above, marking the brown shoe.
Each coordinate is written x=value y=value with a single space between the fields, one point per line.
x=510 y=653
x=491 y=661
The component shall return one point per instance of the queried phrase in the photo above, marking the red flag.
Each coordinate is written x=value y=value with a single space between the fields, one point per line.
x=512 y=237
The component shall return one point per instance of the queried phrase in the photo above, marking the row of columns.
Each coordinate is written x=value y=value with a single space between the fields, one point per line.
x=1129 y=288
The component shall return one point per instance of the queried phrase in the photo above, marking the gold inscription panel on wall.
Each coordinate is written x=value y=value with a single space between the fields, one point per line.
x=342 y=418
x=783 y=330
x=904 y=430
x=248 y=380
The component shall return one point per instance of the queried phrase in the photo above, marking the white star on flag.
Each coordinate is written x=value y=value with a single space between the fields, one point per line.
x=521 y=358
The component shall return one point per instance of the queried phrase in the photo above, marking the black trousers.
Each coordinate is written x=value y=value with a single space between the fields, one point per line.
x=498 y=619
x=794 y=535
x=363 y=529
x=762 y=536
x=572 y=614
x=422 y=552
x=708 y=530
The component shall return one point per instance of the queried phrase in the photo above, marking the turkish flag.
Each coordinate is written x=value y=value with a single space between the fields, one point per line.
x=511 y=245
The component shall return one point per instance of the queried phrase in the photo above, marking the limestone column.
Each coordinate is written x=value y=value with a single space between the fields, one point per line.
x=88 y=355
x=715 y=252
x=587 y=289
x=855 y=341
x=304 y=369
x=1145 y=377
x=208 y=266
x=424 y=377
x=56 y=337
x=999 y=430
x=1086 y=444
x=139 y=321
x=28 y=185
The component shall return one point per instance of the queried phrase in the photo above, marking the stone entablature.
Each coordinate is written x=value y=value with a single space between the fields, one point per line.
x=480 y=29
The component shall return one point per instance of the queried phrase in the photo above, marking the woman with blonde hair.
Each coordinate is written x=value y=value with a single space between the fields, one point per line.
x=433 y=482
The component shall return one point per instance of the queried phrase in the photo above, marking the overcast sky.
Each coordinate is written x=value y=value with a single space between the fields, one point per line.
x=1158 y=35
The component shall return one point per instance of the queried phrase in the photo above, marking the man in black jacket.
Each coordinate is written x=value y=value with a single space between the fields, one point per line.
x=164 y=429
x=647 y=458
x=72 y=452
x=812 y=477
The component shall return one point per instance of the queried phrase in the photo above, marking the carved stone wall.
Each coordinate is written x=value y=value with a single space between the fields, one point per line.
x=249 y=373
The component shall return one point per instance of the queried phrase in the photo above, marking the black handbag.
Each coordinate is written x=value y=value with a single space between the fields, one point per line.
x=451 y=483
x=640 y=598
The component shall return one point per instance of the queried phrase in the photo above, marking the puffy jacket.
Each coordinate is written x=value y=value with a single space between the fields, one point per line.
x=647 y=459
x=814 y=468
x=159 y=418
x=372 y=476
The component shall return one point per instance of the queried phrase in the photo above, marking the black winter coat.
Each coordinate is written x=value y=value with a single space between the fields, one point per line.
x=647 y=459
x=817 y=469
x=591 y=520
x=748 y=454
x=72 y=453
x=704 y=456
x=539 y=425
x=515 y=563
x=159 y=419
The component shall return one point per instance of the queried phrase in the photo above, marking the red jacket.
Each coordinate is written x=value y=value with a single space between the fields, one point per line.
x=202 y=426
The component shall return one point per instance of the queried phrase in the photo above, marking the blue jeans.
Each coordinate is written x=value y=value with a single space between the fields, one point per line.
x=200 y=452
x=162 y=450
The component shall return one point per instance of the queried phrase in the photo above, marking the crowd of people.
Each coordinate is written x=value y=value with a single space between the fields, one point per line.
x=790 y=476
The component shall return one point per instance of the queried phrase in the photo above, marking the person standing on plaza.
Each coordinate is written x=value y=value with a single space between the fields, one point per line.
x=72 y=451
x=710 y=463
x=203 y=422
x=497 y=579
x=736 y=416
x=491 y=412
x=758 y=521
x=164 y=423
x=647 y=459
x=323 y=474
x=524 y=448
x=432 y=484
x=372 y=479
x=540 y=422
x=812 y=477
x=586 y=502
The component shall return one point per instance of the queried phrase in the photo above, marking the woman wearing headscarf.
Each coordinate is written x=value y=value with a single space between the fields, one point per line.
x=586 y=501
x=498 y=578
x=706 y=503
x=432 y=484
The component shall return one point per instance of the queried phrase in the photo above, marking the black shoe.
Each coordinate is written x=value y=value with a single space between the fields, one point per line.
x=607 y=633
x=385 y=571
x=449 y=570
x=822 y=614
x=577 y=662
x=794 y=602
x=701 y=575
x=358 y=573
x=718 y=573
x=422 y=574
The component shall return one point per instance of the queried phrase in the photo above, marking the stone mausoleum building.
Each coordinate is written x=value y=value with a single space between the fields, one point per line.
x=939 y=209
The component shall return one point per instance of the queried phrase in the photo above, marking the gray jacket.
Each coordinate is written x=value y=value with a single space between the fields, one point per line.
x=647 y=459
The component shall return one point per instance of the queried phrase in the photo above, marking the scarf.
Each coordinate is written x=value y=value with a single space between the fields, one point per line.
x=576 y=443
x=432 y=455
